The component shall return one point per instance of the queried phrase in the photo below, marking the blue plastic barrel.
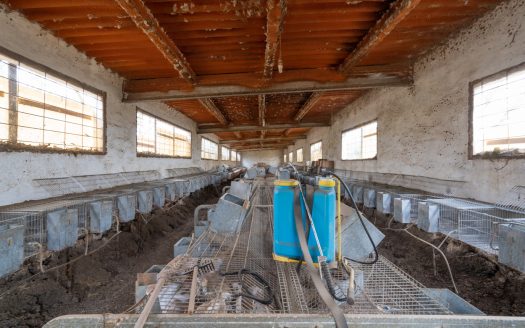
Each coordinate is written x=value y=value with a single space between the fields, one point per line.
x=323 y=216
x=286 y=246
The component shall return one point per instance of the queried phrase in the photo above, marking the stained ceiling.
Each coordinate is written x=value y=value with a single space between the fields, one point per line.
x=257 y=73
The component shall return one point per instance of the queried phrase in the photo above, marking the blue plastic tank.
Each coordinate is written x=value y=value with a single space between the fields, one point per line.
x=324 y=217
x=286 y=246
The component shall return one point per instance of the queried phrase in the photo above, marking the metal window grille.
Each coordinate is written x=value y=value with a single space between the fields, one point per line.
x=158 y=137
x=38 y=108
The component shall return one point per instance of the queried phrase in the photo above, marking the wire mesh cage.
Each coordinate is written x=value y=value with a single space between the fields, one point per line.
x=449 y=210
x=480 y=227
x=55 y=224
x=235 y=273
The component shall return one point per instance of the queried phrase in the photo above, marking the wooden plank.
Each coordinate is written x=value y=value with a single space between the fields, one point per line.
x=260 y=128
x=290 y=87
x=146 y=21
x=212 y=108
x=309 y=104
x=275 y=13
x=384 y=26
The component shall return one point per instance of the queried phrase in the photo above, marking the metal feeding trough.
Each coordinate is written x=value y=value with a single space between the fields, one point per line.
x=240 y=189
x=251 y=173
x=402 y=209
x=369 y=198
x=100 y=216
x=428 y=217
x=384 y=202
x=176 y=188
x=127 y=205
x=355 y=242
x=512 y=245
x=357 y=193
x=11 y=248
x=62 y=229
x=145 y=201
x=227 y=216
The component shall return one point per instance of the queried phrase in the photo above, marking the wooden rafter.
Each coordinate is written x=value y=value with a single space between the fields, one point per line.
x=251 y=140
x=207 y=129
x=308 y=105
x=289 y=87
x=275 y=13
x=262 y=110
x=212 y=108
x=237 y=134
x=146 y=21
x=386 y=24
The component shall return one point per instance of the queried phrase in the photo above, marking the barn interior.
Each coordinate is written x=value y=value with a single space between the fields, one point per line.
x=289 y=163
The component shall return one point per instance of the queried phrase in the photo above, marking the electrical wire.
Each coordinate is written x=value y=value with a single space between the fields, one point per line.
x=376 y=255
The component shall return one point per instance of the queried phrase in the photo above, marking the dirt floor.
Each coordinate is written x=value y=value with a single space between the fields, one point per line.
x=493 y=288
x=101 y=282
x=104 y=281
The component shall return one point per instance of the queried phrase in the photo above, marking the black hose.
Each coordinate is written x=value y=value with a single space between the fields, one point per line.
x=330 y=284
x=376 y=255
x=265 y=301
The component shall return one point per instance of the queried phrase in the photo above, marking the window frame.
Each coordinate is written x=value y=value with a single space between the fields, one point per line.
x=491 y=155
x=210 y=159
x=302 y=155
x=20 y=147
x=154 y=155
x=357 y=127
x=229 y=154
x=313 y=143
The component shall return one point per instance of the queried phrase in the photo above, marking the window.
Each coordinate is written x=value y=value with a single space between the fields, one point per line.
x=156 y=137
x=360 y=143
x=238 y=157
x=233 y=155
x=316 y=151
x=299 y=155
x=498 y=114
x=42 y=108
x=284 y=158
x=290 y=156
x=209 y=149
x=225 y=154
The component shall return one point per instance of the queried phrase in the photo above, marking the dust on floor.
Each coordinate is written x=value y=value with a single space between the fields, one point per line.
x=104 y=281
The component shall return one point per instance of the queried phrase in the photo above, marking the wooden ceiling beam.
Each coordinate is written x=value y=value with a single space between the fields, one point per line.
x=275 y=13
x=146 y=21
x=308 y=105
x=262 y=110
x=377 y=80
x=263 y=148
x=207 y=129
x=250 y=140
x=383 y=27
x=212 y=108
x=237 y=134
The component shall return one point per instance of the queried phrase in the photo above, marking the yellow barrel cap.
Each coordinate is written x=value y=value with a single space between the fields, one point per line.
x=286 y=183
x=326 y=183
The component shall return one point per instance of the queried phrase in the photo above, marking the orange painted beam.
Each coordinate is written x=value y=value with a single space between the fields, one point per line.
x=398 y=11
x=144 y=19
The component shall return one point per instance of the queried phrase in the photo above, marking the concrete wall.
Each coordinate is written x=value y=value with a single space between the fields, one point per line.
x=423 y=130
x=270 y=157
x=18 y=169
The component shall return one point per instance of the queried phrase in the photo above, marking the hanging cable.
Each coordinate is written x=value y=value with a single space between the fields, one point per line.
x=376 y=255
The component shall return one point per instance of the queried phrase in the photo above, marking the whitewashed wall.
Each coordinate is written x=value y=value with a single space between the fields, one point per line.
x=423 y=130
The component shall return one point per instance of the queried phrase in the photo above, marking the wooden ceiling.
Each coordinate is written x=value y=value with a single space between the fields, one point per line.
x=257 y=73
